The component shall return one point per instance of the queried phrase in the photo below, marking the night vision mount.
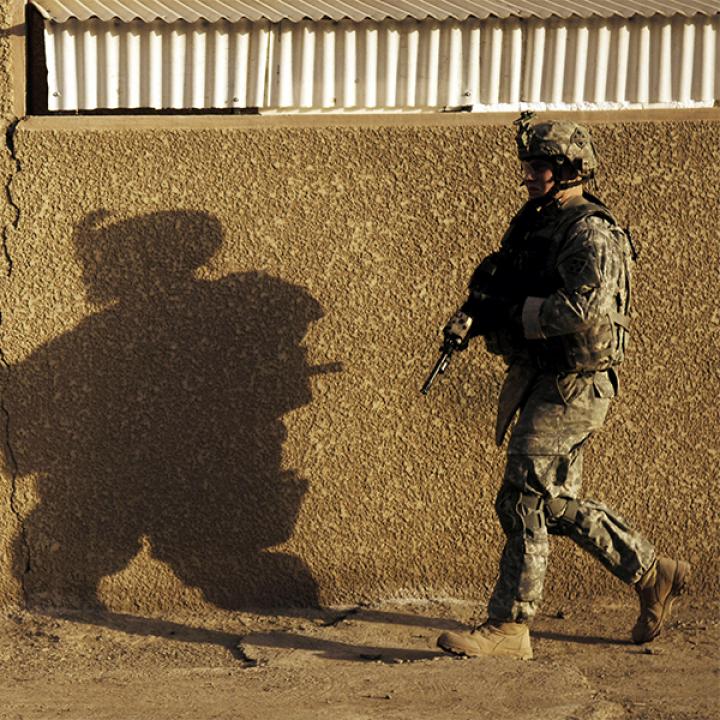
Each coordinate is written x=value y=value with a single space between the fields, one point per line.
x=523 y=135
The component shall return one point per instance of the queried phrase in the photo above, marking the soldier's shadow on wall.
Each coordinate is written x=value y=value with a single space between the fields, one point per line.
x=160 y=417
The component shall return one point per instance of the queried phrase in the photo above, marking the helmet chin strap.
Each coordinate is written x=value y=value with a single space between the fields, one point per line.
x=560 y=184
x=565 y=184
x=558 y=187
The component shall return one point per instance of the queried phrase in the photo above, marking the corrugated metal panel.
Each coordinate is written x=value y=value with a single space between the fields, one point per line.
x=358 y=10
x=406 y=65
x=642 y=61
x=94 y=64
x=394 y=65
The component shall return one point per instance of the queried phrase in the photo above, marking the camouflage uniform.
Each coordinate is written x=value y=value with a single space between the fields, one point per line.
x=568 y=266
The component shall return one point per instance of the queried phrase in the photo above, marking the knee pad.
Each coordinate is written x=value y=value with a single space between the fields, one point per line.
x=561 y=510
x=530 y=509
x=505 y=507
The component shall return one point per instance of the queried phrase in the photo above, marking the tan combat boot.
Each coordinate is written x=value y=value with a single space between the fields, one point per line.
x=657 y=589
x=490 y=640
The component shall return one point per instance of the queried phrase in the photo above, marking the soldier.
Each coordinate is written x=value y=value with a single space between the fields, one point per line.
x=554 y=301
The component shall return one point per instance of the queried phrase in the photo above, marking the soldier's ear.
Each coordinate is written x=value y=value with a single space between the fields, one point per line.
x=566 y=171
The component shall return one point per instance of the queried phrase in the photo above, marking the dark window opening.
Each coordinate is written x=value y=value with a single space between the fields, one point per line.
x=35 y=63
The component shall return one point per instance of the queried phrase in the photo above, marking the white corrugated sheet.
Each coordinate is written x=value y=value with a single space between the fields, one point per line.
x=358 y=10
x=387 y=66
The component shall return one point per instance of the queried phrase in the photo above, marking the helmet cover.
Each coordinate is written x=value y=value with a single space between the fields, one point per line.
x=557 y=140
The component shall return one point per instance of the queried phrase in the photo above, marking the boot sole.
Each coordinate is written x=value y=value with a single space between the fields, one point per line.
x=679 y=586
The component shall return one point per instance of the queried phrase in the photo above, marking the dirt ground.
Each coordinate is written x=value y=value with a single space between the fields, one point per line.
x=354 y=664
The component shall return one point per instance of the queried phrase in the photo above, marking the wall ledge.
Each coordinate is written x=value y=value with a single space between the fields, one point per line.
x=254 y=122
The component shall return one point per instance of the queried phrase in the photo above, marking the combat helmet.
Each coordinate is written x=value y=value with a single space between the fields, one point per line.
x=559 y=141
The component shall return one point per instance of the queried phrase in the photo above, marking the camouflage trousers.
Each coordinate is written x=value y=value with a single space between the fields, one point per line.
x=539 y=494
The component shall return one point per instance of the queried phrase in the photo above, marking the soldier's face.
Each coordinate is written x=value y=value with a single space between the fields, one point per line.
x=537 y=176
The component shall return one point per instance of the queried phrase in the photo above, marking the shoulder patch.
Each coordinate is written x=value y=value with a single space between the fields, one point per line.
x=576 y=264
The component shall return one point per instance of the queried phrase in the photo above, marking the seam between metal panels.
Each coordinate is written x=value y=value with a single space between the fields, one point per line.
x=22 y=562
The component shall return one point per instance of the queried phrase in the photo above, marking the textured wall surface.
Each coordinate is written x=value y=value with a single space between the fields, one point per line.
x=7 y=15
x=10 y=590
x=180 y=293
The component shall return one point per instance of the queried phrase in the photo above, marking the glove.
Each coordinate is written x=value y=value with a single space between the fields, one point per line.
x=457 y=330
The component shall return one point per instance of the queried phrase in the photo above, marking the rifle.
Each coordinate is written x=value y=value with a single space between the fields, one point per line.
x=487 y=282
x=456 y=338
x=446 y=352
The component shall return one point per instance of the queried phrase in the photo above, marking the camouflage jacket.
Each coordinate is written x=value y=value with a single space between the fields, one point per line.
x=568 y=268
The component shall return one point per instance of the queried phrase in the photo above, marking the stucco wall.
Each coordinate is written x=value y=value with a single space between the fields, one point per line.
x=10 y=589
x=173 y=287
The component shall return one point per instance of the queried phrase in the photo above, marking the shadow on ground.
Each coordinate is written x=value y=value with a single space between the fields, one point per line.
x=300 y=630
x=286 y=638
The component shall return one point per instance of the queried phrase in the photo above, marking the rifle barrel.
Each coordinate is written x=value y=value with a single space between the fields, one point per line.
x=440 y=367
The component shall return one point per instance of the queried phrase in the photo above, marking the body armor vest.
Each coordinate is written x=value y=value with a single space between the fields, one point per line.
x=529 y=253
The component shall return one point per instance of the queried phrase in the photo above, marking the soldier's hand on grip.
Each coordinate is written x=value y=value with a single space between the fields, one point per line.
x=457 y=329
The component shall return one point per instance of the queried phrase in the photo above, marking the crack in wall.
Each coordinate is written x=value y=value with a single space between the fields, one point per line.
x=10 y=145
x=21 y=564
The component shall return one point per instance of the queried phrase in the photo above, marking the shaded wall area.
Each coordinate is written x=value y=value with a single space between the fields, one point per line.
x=160 y=417
x=215 y=338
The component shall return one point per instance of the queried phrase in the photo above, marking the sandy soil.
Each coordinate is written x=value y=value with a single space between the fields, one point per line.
x=353 y=664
